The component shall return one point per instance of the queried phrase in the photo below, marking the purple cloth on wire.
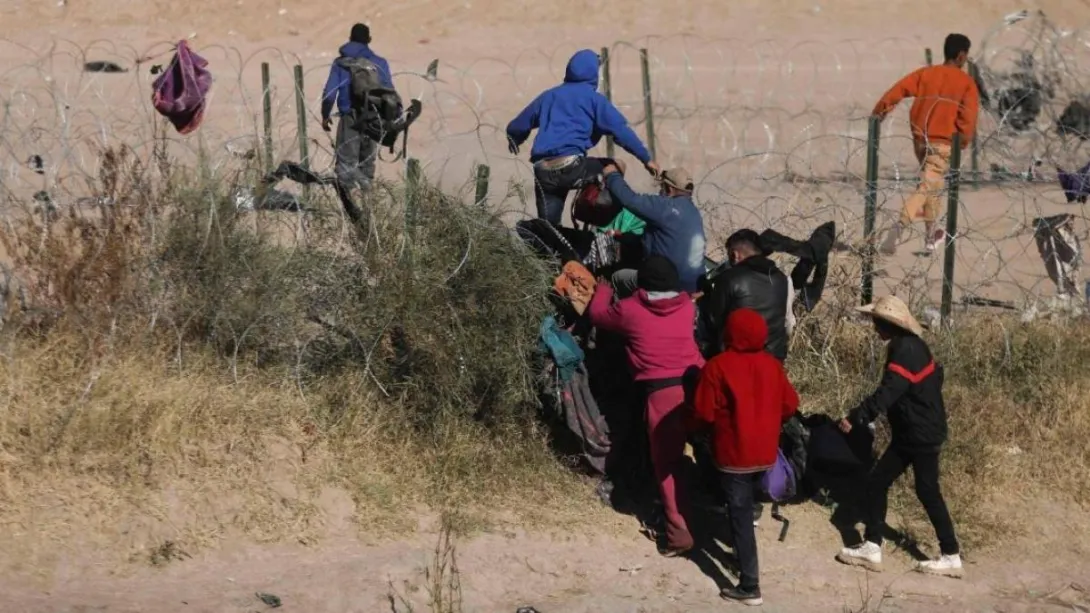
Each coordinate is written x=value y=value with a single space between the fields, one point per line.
x=179 y=93
x=1076 y=185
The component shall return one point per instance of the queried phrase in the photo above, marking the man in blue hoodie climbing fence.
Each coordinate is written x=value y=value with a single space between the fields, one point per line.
x=356 y=151
x=570 y=119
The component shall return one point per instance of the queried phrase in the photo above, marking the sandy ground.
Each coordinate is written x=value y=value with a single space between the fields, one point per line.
x=746 y=94
x=506 y=569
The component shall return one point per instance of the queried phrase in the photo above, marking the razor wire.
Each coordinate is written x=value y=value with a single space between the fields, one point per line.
x=774 y=133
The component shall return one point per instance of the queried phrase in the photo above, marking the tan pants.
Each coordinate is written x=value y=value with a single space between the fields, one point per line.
x=926 y=202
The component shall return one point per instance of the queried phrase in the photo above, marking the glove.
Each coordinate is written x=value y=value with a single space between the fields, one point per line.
x=512 y=146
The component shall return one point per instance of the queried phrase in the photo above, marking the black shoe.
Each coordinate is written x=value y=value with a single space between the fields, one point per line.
x=748 y=596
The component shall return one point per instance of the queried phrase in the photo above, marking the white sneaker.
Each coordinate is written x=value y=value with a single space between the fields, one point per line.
x=945 y=566
x=868 y=555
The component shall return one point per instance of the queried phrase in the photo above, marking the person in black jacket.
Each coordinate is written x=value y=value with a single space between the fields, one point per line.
x=910 y=395
x=753 y=282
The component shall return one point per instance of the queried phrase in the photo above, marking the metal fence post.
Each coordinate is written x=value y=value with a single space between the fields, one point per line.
x=870 y=207
x=954 y=180
x=266 y=115
x=413 y=187
x=648 y=105
x=483 y=173
x=607 y=90
x=301 y=108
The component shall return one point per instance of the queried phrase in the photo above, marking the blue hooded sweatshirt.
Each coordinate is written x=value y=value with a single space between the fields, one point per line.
x=572 y=117
x=675 y=228
x=337 y=86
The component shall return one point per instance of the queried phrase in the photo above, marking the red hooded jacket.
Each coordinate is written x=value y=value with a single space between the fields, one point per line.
x=744 y=394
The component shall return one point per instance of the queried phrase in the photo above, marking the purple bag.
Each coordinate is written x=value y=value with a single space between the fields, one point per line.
x=779 y=481
x=179 y=93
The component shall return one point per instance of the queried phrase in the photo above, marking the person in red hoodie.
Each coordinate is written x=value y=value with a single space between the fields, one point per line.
x=745 y=396
x=657 y=323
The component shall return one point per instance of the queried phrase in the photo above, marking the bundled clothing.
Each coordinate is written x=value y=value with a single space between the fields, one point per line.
x=674 y=228
x=744 y=395
x=1060 y=250
x=1076 y=185
x=180 y=93
x=657 y=323
x=570 y=119
x=910 y=395
x=1075 y=120
x=755 y=283
x=809 y=274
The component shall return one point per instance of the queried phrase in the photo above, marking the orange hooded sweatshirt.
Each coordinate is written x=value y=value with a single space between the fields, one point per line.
x=946 y=101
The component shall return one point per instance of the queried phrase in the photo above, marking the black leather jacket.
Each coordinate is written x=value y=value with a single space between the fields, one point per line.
x=754 y=283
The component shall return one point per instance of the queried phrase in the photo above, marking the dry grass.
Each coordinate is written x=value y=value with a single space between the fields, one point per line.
x=179 y=378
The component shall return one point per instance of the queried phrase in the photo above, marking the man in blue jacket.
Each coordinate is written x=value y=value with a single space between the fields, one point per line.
x=675 y=227
x=356 y=152
x=570 y=119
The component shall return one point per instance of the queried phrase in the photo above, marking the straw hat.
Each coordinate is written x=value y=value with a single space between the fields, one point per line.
x=893 y=310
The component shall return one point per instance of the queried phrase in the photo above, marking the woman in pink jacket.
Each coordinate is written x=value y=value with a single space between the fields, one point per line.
x=657 y=322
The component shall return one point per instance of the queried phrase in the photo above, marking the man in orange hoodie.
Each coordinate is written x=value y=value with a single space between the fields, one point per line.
x=745 y=396
x=946 y=102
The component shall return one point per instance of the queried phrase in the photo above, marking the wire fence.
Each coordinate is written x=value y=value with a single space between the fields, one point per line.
x=774 y=132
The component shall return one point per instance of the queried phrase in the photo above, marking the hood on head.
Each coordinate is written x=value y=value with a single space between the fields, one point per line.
x=354 y=49
x=746 y=331
x=582 y=68
x=663 y=306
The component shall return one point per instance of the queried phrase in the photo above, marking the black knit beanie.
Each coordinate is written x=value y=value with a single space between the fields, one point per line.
x=360 y=34
x=658 y=274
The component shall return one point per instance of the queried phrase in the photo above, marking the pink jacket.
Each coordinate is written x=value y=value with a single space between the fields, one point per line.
x=661 y=342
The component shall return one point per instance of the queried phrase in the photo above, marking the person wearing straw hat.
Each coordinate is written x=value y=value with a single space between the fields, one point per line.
x=910 y=395
x=675 y=227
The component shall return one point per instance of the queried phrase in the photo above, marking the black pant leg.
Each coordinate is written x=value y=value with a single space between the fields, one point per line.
x=925 y=466
x=889 y=468
x=739 y=493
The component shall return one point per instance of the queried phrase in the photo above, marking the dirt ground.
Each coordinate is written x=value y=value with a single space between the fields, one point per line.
x=617 y=570
x=747 y=93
